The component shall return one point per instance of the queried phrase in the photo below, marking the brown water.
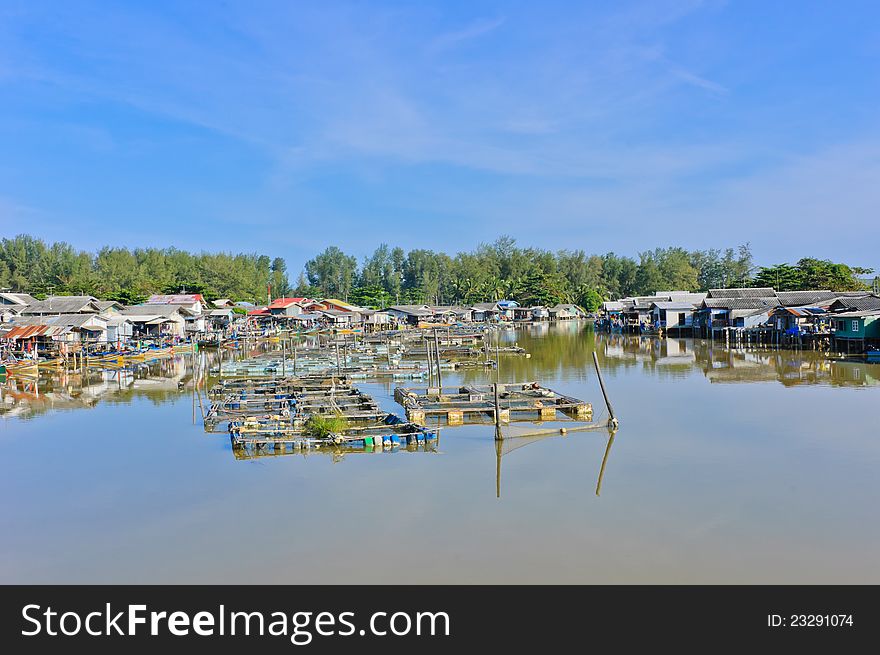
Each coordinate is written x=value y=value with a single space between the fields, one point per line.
x=729 y=466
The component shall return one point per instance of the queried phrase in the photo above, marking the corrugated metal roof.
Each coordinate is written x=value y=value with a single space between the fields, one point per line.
x=667 y=304
x=740 y=303
x=800 y=298
x=175 y=299
x=861 y=303
x=283 y=303
x=63 y=305
x=859 y=314
x=32 y=331
x=742 y=292
x=801 y=311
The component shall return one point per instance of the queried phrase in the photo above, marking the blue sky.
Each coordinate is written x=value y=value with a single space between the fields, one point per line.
x=283 y=127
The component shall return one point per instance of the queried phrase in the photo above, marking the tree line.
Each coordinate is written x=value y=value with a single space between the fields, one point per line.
x=533 y=276
x=30 y=265
x=391 y=275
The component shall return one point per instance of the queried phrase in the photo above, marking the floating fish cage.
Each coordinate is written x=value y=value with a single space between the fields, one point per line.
x=336 y=451
x=391 y=432
x=476 y=404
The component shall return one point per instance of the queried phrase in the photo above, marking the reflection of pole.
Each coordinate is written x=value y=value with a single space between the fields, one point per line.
x=498 y=468
x=283 y=358
x=498 y=435
x=613 y=420
x=611 y=434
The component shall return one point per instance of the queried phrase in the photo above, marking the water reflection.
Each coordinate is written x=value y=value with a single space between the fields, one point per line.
x=554 y=350
x=705 y=482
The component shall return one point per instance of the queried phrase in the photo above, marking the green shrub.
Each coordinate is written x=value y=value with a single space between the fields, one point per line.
x=321 y=426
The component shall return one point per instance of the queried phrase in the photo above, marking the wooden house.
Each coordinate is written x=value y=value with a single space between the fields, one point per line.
x=287 y=306
x=57 y=305
x=157 y=320
x=855 y=331
x=673 y=316
x=486 y=311
x=565 y=312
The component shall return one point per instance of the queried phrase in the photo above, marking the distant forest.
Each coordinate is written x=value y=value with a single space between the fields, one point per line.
x=531 y=276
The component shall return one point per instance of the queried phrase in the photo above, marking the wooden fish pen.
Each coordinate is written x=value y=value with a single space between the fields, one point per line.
x=476 y=404
x=392 y=432
x=273 y=415
x=336 y=451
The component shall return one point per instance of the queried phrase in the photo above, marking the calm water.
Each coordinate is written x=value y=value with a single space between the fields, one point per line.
x=729 y=466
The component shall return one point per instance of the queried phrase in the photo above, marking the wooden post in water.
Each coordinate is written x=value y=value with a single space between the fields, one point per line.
x=283 y=358
x=428 y=359
x=613 y=420
x=294 y=360
x=439 y=377
x=338 y=369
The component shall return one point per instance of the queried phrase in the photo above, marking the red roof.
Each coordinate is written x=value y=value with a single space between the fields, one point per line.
x=282 y=303
x=176 y=299
x=27 y=331
x=259 y=312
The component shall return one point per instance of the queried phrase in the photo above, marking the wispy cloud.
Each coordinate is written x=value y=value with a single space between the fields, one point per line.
x=583 y=114
x=472 y=31
x=700 y=82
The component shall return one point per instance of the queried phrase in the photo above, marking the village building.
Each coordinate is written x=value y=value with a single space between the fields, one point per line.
x=486 y=311
x=48 y=332
x=856 y=331
x=287 y=306
x=16 y=299
x=410 y=314
x=673 y=316
x=157 y=320
x=56 y=305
